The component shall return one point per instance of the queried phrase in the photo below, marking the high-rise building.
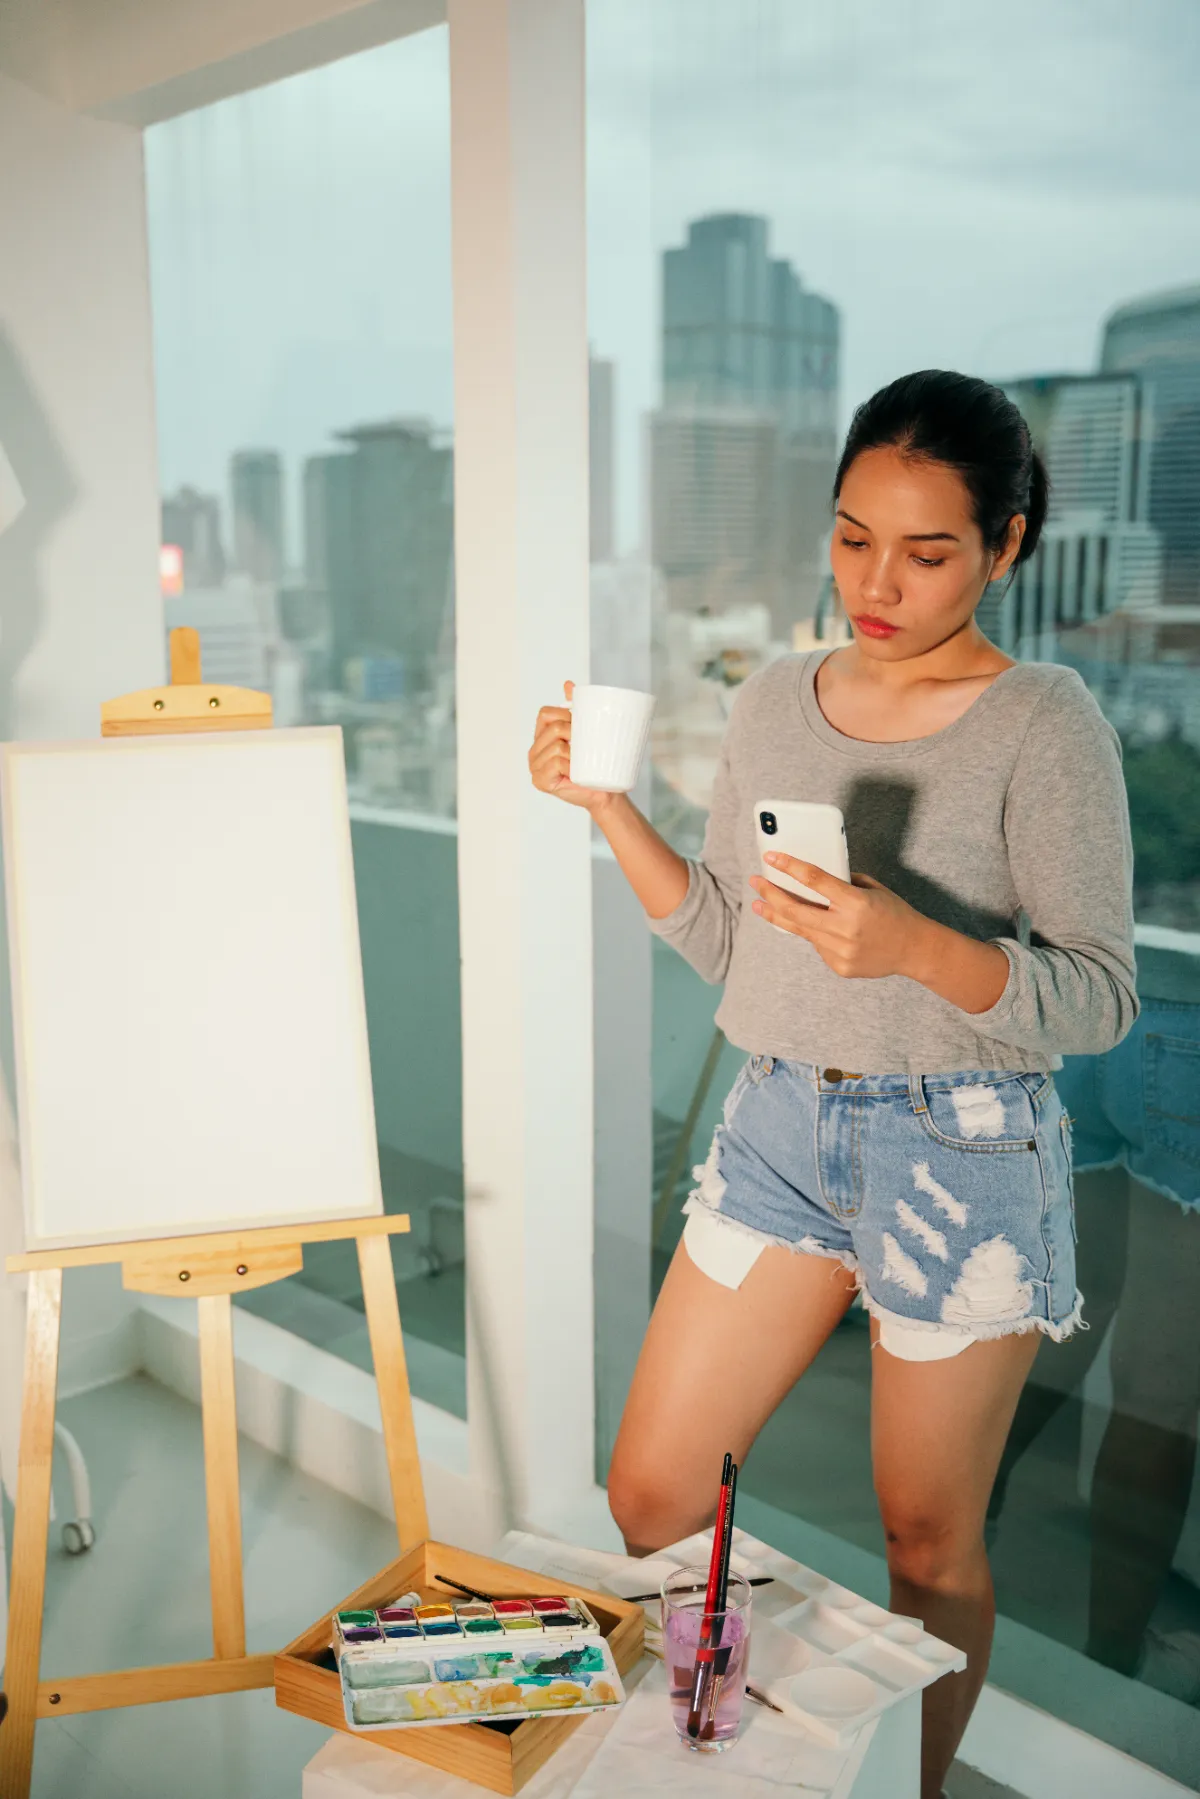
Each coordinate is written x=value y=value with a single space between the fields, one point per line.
x=379 y=543
x=602 y=467
x=192 y=521
x=743 y=447
x=1099 y=554
x=1158 y=339
x=256 y=487
x=739 y=330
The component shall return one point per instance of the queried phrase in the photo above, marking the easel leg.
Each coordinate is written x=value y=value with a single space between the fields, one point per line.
x=30 y=1531
x=219 y=1404
x=391 y=1375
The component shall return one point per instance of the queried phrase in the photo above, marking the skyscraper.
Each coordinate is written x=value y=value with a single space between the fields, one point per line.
x=743 y=446
x=256 y=485
x=739 y=330
x=192 y=521
x=379 y=543
x=1098 y=553
x=1158 y=338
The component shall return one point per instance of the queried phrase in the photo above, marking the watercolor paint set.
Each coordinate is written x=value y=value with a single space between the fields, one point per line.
x=438 y=1666
x=443 y=1662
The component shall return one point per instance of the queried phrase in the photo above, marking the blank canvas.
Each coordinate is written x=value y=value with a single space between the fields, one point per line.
x=191 y=1036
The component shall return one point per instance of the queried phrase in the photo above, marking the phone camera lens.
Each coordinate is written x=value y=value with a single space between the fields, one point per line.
x=768 y=822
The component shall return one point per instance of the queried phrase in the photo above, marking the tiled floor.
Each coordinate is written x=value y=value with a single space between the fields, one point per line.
x=141 y=1596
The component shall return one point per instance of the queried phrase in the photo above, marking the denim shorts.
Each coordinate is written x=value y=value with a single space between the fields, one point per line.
x=1139 y=1105
x=948 y=1195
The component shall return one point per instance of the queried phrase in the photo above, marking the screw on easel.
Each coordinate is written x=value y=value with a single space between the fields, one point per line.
x=55 y=1698
x=242 y=1268
x=158 y=705
x=214 y=702
x=184 y=1275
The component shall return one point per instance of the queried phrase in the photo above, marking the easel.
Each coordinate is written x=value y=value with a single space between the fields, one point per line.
x=210 y=1268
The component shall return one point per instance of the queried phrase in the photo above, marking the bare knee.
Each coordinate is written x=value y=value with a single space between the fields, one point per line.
x=648 y=1505
x=931 y=1550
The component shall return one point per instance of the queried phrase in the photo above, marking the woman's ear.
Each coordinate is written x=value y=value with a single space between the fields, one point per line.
x=1011 y=547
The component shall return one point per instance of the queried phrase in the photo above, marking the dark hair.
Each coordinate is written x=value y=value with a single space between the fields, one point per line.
x=972 y=427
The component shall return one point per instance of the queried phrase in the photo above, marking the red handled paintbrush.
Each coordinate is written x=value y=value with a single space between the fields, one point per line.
x=723 y=1651
x=710 y=1631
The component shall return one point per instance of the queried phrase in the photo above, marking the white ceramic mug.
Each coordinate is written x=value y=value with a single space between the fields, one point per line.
x=610 y=728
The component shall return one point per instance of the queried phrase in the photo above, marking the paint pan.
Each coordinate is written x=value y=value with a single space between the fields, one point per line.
x=427 y=1612
x=513 y=1608
x=550 y=1605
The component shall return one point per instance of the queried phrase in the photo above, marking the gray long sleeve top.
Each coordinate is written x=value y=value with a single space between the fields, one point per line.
x=1010 y=825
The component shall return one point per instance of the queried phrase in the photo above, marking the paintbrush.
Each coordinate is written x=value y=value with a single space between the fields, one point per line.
x=759 y=1580
x=471 y=1592
x=706 y=1648
x=753 y=1693
x=724 y=1651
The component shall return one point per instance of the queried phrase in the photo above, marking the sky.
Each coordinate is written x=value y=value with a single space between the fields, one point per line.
x=973 y=185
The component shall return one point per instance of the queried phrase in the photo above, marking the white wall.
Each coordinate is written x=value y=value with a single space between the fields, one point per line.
x=80 y=613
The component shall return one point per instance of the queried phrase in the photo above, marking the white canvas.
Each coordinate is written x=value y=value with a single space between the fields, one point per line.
x=190 y=1030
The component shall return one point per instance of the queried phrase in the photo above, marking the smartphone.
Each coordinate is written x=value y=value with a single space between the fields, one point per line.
x=805 y=829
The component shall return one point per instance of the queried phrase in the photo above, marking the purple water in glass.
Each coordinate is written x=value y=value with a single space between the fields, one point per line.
x=681 y=1639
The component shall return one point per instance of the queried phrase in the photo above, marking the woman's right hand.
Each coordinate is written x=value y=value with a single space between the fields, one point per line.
x=550 y=759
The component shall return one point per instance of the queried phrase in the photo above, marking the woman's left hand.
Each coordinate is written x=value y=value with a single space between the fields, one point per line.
x=865 y=932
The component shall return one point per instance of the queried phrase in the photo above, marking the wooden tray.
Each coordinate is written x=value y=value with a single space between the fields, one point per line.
x=501 y=1757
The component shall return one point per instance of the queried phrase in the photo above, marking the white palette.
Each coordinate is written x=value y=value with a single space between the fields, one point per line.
x=830 y=1659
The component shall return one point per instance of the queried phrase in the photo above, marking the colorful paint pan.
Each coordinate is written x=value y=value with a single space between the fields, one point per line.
x=522 y=1624
x=397 y=1614
x=443 y=1627
x=351 y=1620
x=551 y=1605
x=362 y=1634
x=402 y=1632
x=513 y=1608
x=426 y=1612
x=561 y=1621
x=474 y=1609
x=483 y=1627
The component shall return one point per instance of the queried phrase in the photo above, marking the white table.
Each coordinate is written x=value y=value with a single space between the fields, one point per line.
x=644 y=1761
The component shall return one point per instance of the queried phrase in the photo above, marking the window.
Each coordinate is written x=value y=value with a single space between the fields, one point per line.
x=789 y=206
x=300 y=263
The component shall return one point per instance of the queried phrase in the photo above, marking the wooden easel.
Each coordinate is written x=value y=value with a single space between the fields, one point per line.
x=210 y=1268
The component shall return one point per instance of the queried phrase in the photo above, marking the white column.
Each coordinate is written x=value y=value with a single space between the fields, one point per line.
x=521 y=537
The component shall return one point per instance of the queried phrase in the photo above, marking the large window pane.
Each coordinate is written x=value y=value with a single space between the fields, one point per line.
x=300 y=262
x=789 y=206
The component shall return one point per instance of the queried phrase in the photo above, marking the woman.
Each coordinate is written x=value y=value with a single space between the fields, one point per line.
x=896 y=1130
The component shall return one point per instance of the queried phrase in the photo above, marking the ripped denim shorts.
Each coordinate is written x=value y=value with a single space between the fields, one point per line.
x=948 y=1195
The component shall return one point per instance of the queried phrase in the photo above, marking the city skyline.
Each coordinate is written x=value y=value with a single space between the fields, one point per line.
x=991 y=228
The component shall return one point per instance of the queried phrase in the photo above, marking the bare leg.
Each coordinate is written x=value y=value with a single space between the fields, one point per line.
x=937 y=1430
x=1143 y=1478
x=1103 y=1212
x=715 y=1364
